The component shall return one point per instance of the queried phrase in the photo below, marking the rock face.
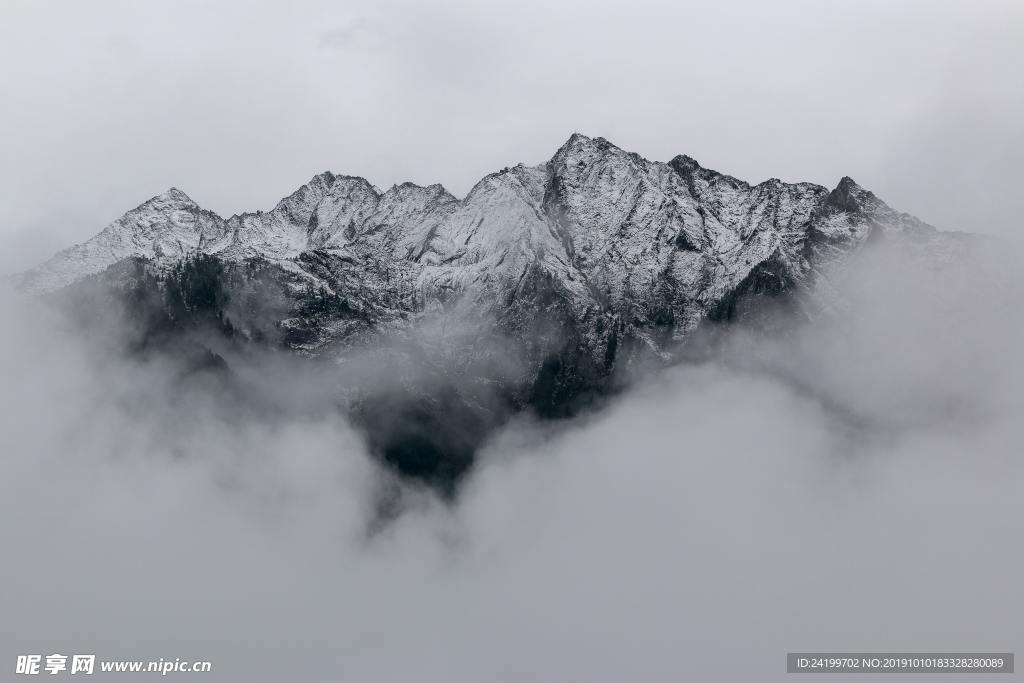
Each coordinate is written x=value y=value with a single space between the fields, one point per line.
x=574 y=268
x=613 y=230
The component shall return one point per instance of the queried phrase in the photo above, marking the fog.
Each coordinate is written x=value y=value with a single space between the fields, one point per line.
x=851 y=484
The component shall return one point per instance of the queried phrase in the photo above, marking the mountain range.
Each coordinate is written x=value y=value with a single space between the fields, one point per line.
x=537 y=290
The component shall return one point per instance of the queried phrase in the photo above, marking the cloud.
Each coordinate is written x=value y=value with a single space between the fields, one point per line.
x=852 y=485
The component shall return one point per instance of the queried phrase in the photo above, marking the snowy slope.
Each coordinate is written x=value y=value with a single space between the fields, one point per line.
x=605 y=233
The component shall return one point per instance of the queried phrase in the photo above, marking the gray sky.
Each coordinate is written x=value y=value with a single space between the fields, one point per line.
x=107 y=103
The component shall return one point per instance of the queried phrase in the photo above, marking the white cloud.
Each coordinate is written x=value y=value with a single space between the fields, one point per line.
x=854 y=486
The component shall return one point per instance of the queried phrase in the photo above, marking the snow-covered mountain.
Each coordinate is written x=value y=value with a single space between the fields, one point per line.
x=614 y=231
x=535 y=290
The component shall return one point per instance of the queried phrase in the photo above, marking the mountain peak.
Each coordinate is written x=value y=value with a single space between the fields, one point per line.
x=592 y=203
x=170 y=198
x=326 y=177
x=580 y=149
x=303 y=200
x=682 y=162
x=173 y=194
x=851 y=197
x=436 y=190
x=577 y=139
x=848 y=184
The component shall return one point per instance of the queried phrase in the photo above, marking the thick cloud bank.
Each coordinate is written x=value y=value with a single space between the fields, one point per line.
x=852 y=484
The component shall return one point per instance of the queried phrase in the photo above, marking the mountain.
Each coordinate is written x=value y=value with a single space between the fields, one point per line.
x=536 y=290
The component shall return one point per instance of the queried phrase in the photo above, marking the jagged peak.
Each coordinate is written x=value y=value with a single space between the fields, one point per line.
x=686 y=161
x=409 y=185
x=848 y=184
x=343 y=184
x=851 y=197
x=440 y=189
x=319 y=186
x=325 y=177
x=576 y=139
x=581 y=164
x=328 y=179
x=509 y=177
x=351 y=179
x=170 y=197
x=175 y=195
x=579 y=143
x=687 y=167
x=434 y=190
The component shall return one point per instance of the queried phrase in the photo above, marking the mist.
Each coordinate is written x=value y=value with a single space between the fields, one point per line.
x=849 y=483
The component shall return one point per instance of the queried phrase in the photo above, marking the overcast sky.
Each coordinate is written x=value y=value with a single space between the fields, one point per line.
x=106 y=104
